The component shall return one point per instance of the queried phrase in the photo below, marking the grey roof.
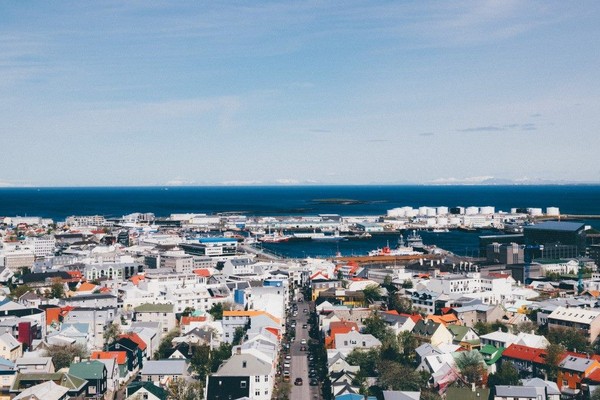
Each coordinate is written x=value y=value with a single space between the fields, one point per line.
x=244 y=365
x=579 y=364
x=165 y=367
x=400 y=395
x=520 y=391
x=427 y=349
x=556 y=226
x=551 y=387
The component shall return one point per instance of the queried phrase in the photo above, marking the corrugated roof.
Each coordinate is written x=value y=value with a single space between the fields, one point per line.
x=557 y=226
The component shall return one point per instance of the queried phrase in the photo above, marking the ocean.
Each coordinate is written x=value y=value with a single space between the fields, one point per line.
x=59 y=203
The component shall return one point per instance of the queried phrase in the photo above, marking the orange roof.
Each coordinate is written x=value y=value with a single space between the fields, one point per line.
x=187 y=320
x=86 y=287
x=415 y=317
x=336 y=327
x=104 y=290
x=443 y=319
x=274 y=331
x=498 y=275
x=202 y=272
x=65 y=310
x=135 y=338
x=52 y=315
x=120 y=356
x=135 y=279
x=316 y=274
x=594 y=376
x=392 y=312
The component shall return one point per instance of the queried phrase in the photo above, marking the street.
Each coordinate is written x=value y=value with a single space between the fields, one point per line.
x=299 y=365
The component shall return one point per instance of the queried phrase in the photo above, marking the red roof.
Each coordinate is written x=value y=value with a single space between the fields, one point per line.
x=135 y=338
x=594 y=376
x=392 y=312
x=202 y=272
x=187 y=320
x=415 y=317
x=274 y=331
x=498 y=275
x=120 y=356
x=336 y=327
x=525 y=353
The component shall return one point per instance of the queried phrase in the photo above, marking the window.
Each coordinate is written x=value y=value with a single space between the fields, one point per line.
x=244 y=364
x=257 y=378
x=257 y=392
x=242 y=385
x=266 y=378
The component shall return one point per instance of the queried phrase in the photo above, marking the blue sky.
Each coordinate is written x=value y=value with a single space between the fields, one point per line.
x=349 y=92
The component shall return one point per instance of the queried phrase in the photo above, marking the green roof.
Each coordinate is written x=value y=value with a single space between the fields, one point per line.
x=150 y=387
x=458 y=331
x=161 y=308
x=491 y=354
x=88 y=369
x=69 y=381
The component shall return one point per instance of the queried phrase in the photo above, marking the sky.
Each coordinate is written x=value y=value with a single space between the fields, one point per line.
x=113 y=93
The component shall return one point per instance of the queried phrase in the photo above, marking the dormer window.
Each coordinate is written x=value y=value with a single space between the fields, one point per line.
x=243 y=364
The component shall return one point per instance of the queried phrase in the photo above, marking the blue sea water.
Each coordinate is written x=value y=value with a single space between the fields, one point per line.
x=59 y=203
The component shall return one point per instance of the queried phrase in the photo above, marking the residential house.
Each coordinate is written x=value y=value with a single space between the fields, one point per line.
x=463 y=336
x=520 y=392
x=120 y=358
x=498 y=339
x=26 y=365
x=10 y=348
x=162 y=313
x=319 y=285
x=491 y=355
x=528 y=361
x=112 y=374
x=398 y=322
x=75 y=386
x=44 y=391
x=135 y=359
x=572 y=370
x=161 y=372
x=586 y=321
x=244 y=374
x=145 y=390
x=338 y=363
x=431 y=332
x=346 y=342
x=241 y=319
x=94 y=372
x=337 y=327
x=551 y=389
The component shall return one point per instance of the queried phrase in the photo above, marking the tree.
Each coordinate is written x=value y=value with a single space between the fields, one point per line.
x=595 y=395
x=366 y=360
x=400 y=304
x=63 y=356
x=571 y=338
x=200 y=361
x=507 y=374
x=216 y=311
x=526 y=327
x=111 y=333
x=238 y=335
x=470 y=364
x=376 y=326
x=19 y=291
x=390 y=371
x=181 y=389
x=57 y=290
x=166 y=344
x=554 y=355
x=222 y=353
x=372 y=293
x=408 y=344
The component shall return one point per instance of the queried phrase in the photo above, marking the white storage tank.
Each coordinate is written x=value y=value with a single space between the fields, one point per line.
x=487 y=210
x=431 y=212
x=472 y=210
x=554 y=211
x=396 y=212
x=535 y=211
x=454 y=221
x=442 y=210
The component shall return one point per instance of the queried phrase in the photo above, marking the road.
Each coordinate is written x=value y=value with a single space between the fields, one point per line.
x=299 y=364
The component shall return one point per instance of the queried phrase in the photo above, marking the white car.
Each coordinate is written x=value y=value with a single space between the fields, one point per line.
x=303 y=341
x=286 y=364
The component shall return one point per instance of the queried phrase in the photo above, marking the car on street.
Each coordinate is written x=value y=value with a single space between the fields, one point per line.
x=288 y=357
x=298 y=382
x=303 y=341
x=311 y=357
x=286 y=364
x=303 y=348
x=313 y=382
x=304 y=326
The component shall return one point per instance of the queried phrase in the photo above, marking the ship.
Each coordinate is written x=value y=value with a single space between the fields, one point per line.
x=415 y=241
x=400 y=250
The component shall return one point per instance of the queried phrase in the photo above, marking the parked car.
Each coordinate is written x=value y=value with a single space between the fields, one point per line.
x=303 y=341
x=313 y=382
x=298 y=382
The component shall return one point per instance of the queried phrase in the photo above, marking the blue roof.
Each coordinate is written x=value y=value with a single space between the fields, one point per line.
x=557 y=226
x=216 y=240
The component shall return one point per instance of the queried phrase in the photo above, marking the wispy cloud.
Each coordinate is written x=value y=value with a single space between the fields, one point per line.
x=320 y=130
x=427 y=134
x=500 y=128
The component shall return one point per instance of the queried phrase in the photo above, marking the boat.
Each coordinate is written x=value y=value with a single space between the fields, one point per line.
x=329 y=238
x=415 y=241
x=276 y=237
x=400 y=250
x=440 y=230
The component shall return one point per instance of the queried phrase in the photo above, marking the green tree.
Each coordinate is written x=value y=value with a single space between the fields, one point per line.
x=111 y=333
x=526 y=327
x=166 y=344
x=372 y=293
x=595 y=395
x=572 y=339
x=389 y=373
x=400 y=304
x=554 y=355
x=181 y=389
x=376 y=326
x=19 y=291
x=220 y=354
x=470 y=365
x=216 y=311
x=57 y=290
x=366 y=360
x=63 y=356
x=507 y=374
x=407 y=344
x=238 y=335
x=200 y=361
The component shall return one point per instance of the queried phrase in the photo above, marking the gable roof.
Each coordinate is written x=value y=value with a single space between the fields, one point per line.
x=44 y=391
x=88 y=369
x=154 y=308
x=150 y=387
x=120 y=356
x=134 y=337
x=525 y=353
